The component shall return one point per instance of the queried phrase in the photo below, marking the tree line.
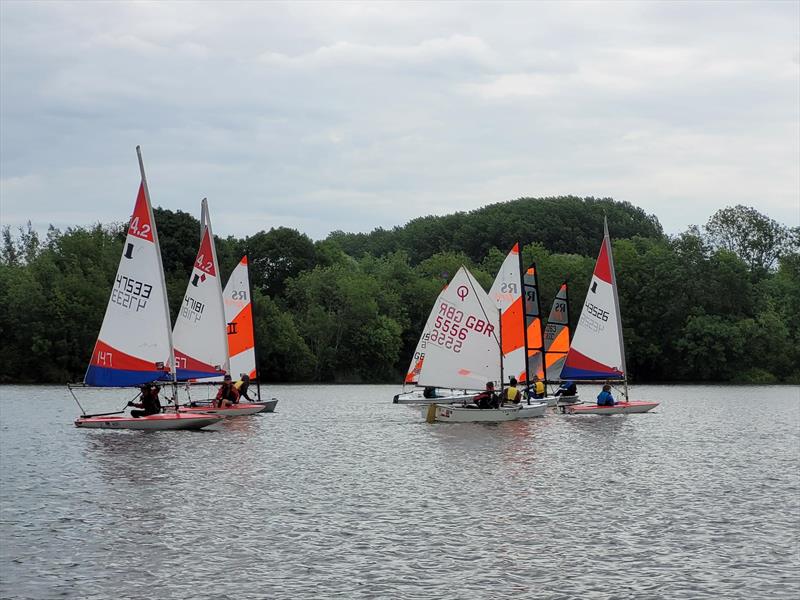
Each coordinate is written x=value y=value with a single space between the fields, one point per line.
x=716 y=303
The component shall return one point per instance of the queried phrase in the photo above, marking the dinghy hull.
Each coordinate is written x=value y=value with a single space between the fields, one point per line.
x=444 y=397
x=622 y=408
x=534 y=409
x=442 y=413
x=237 y=410
x=160 y=422
x=269 y=405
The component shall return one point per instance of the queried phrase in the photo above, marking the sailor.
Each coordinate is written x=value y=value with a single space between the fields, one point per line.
x=242 y=386
x=227 y=394
x=537 y=389
x=567 y=388
x=511 y=393
x=429 y=392
x=486 y=399
x=605 y=398
x=150 y=405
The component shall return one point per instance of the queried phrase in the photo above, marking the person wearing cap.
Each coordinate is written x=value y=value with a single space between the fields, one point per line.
x=227 y=394
x=149 y=405
x=511 y=393
x=242 y=386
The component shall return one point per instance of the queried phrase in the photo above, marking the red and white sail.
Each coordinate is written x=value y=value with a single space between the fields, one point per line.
x=239 y=317
x=506 y=292
x=597 y=351
x=200 y=334
x=463 y=349
x=133 y=346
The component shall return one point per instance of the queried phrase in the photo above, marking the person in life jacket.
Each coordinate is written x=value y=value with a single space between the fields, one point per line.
x=511 y=393
x=486 y=399
x=227 y=394
x=242 y=386
x=149 y=405
x=537 y=389
x=605 y=398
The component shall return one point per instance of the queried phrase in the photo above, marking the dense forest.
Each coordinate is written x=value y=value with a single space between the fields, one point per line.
x=719 y=302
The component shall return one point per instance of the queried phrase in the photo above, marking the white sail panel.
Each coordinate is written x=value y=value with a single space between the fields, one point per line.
x=200 y=338
x=463 y=349
x=133 y=345
x=417 y=360
x=506 y=292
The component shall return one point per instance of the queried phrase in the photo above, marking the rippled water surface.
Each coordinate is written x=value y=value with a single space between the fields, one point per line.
x=340 y=494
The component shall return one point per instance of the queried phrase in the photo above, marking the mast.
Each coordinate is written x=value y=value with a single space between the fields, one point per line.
x=524 y=318
x=541 y=327
x=253 y=313
x=206 y=221
x=163 y=279
x=607 y=241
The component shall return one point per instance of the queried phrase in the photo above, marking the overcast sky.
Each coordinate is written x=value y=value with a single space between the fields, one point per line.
x=324 y=116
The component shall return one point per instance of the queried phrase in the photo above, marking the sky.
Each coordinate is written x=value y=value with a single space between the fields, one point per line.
x=351 y=116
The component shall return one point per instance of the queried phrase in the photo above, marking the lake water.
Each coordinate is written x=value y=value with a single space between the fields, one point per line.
x=340 y=494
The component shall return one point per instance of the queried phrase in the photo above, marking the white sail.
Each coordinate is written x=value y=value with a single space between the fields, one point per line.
x=463 y=349
x=239 y=316
x=201 y=345
x=596 y=351
x=133 y=346
x=417 y=360
x=506 y=292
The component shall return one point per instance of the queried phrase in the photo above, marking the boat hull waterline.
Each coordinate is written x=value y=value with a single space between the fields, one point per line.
x=621 y=408
x=237 y=410
x=160 y=422
x=443 y=413
x=534 y=409
x=416 y=397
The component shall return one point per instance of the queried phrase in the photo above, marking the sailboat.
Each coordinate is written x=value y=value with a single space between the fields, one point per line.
x=417 y=395
x=134 y=345
x=463 y=351
x=237 y=298
x=597 y=352
x=515 y=297
x=200 y=334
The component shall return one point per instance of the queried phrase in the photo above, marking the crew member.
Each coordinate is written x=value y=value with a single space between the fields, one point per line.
x=149 y=405
x=227 y=394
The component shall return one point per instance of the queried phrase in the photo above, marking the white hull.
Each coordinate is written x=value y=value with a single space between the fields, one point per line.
x=269 y=405
x=443 y=397
x=623 y=408
x=536 y=408
x=558 y=400
x=460 y=414
x=237 y=410
x=160 y=422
